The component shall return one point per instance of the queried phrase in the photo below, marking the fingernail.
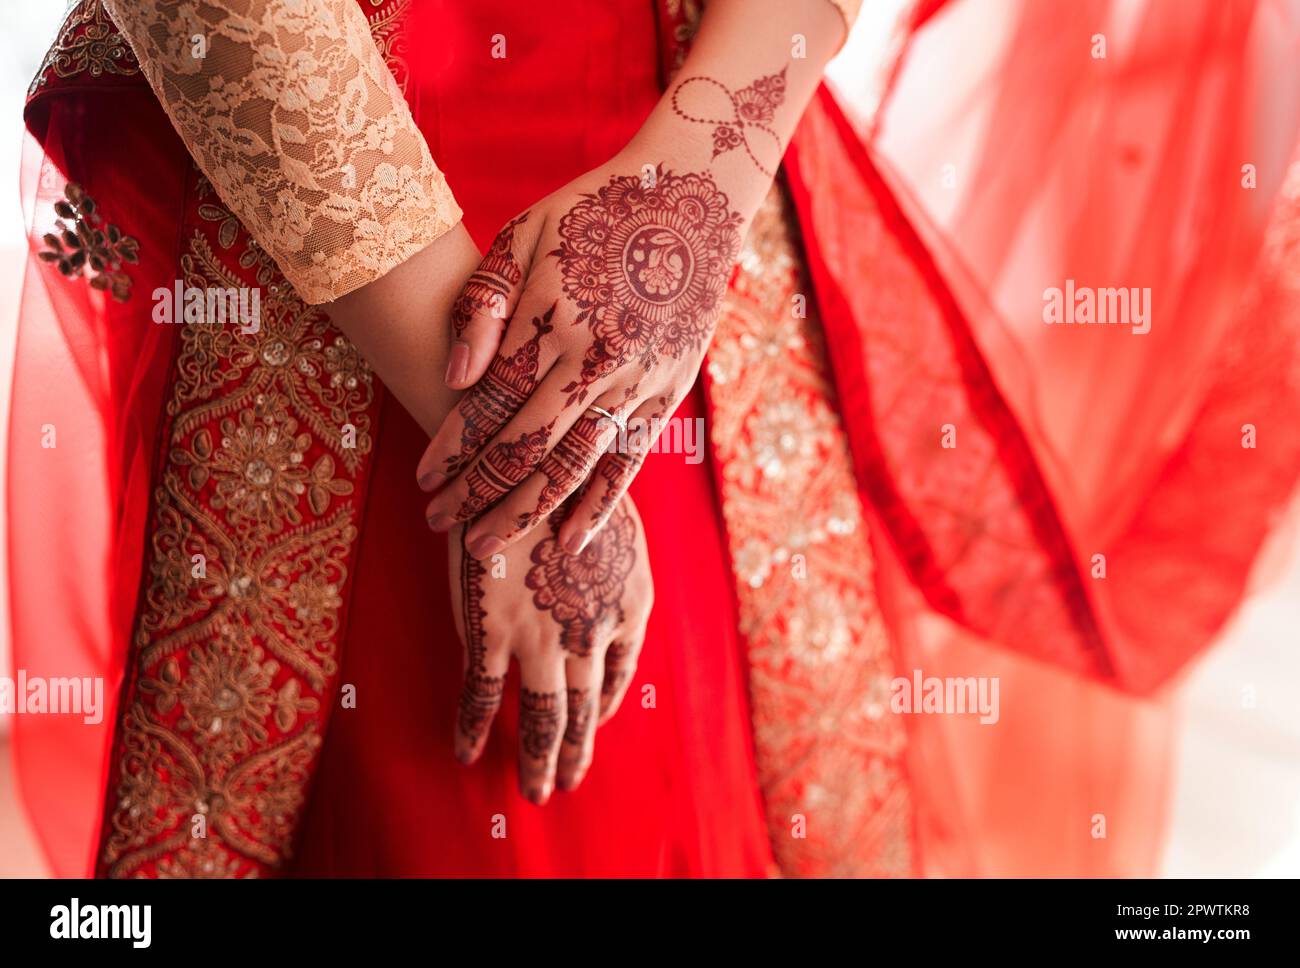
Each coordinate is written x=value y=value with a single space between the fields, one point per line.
x=431 y=480
x=488 y=544
x=538 y=795
x=442 y=522
x=458 y=362
x=576 y=542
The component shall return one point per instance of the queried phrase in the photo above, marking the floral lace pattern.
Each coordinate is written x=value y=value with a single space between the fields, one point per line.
x=289 y=108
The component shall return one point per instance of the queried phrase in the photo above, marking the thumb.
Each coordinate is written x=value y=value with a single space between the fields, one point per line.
x=486 y=304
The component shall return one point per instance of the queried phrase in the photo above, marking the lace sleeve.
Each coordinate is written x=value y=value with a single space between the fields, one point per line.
x=288 y=108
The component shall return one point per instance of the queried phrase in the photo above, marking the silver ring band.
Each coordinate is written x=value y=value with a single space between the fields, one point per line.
x=615 y=419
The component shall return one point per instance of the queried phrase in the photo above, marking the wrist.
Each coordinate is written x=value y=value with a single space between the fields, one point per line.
x=666 y=140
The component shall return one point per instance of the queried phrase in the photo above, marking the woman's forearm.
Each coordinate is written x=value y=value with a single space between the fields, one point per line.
x=753 y=68
x=400 y=323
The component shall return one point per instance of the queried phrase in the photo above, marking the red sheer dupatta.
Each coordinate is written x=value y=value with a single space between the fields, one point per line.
x=90 y=369
x=1067 y=442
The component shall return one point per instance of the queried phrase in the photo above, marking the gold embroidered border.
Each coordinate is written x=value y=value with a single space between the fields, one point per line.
x=828 y=749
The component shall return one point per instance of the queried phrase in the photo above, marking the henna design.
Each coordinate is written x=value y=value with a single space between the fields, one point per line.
x=751 y=109
x=647 y=267
x=581 y=705
x=497 y=274
x=481 y=695
x=502 y=469
x=566 y=466
x=583 y=591
x=617 y=672
x=619 y=468
x=505 y=387
x=539 y=722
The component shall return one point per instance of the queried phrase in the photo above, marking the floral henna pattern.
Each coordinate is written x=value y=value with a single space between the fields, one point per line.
x=751 y=110
x=539 y=722
x=583 y=591
x=647 y=266
x=492 y=281
x=581 y=705
x=507 y=384
x=481 y=696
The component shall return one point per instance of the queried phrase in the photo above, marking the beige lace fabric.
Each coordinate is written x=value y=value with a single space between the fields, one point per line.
x=289 y=109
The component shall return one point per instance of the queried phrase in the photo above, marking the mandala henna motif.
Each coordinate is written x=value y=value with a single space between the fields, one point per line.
x=481 y=696
x=505 y=387
x=647 y=266
x=539 y=722
x=583 y=591
x=492 y=281
x=751 y=109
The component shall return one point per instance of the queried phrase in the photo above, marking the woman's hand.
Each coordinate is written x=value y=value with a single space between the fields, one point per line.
x=574 y=622
x=593 y=309
x=613 y=286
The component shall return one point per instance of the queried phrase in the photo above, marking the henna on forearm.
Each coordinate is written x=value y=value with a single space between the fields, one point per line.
x=750 y=113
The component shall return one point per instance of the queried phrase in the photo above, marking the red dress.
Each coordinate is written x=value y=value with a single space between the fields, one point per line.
x=745 y=731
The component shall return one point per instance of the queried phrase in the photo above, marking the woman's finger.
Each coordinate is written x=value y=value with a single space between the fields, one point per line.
x=505 y=462
x=564 y=468
x=620 y=666
x=514 y=373
x=584 y=681
x=612 y=475
x=542 y=717
x=486 y=303
x=484 y=664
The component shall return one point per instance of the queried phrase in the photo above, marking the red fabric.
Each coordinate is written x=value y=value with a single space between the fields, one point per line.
x=996 y=533
x=95 y=370
x=672 y=789
x=1117 y=171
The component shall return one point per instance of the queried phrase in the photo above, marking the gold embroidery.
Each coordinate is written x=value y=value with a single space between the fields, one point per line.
x=820 y=658
x=84 y=245
x=88 y=43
